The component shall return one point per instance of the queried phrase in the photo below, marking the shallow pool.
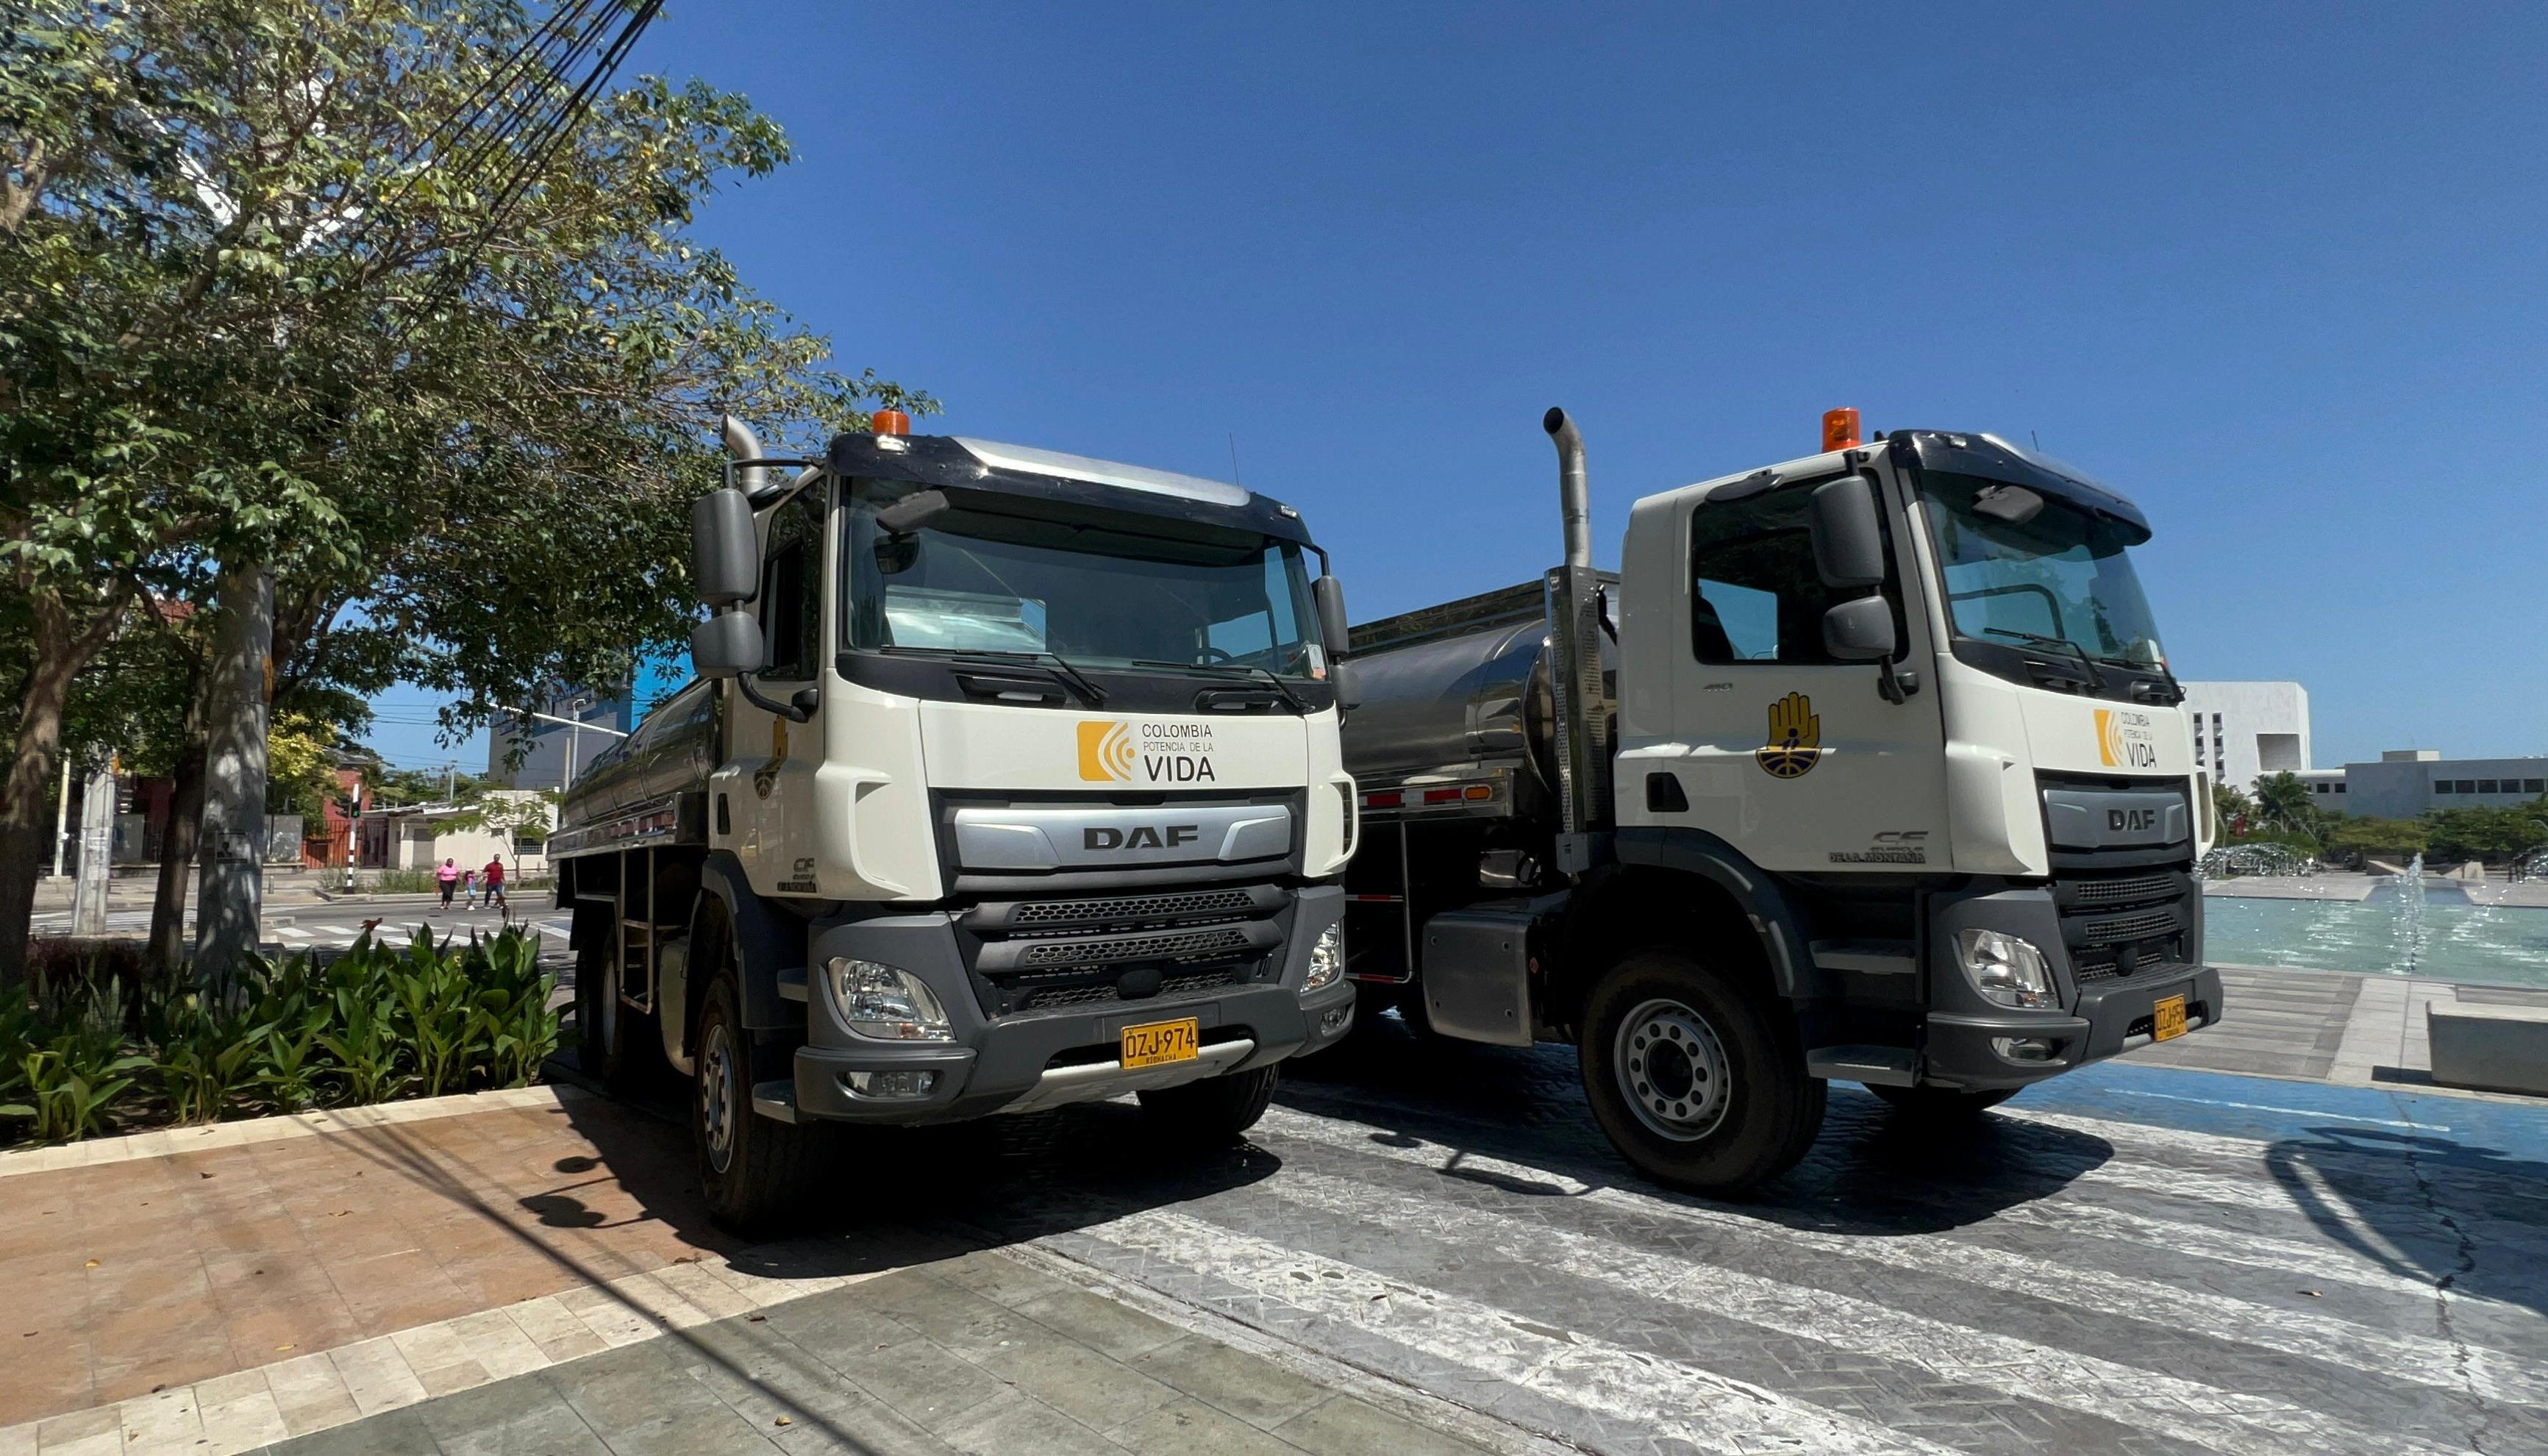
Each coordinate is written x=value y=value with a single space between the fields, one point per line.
x=2448 y=941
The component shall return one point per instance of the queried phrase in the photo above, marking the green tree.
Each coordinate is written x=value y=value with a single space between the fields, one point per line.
x=274 y=298
x=2492 y=835
x=2286 y=801
x=2380 y=839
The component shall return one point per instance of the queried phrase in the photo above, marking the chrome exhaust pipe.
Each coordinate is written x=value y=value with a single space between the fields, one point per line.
x=1575 y=495
x=742 y=444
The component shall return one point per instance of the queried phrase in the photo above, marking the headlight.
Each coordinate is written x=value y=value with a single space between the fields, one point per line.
x=1327 y=959
x=2006 y=969
x=886 y=1003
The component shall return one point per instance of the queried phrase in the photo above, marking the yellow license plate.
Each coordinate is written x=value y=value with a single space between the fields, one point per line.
x=2167 y=1019
x=1163 y=1041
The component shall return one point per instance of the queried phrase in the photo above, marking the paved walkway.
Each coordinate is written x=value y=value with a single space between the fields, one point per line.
x=1423 y=1248
x=2325 y=1026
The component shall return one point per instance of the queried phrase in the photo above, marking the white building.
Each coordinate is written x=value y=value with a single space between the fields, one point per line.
x=2408 y=781
x=2244 y=731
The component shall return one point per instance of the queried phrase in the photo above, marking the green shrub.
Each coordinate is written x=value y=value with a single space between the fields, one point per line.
x=376 y=1024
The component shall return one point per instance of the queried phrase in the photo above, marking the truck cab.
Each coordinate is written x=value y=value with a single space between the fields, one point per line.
x=1865 y=767
x=1011 y=779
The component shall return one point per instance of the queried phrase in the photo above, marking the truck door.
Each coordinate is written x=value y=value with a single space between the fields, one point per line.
x=771 y=788
x=1795 y=757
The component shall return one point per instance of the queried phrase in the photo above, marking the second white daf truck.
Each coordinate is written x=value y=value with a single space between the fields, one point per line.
x=1866 y=767
x=1011 y=779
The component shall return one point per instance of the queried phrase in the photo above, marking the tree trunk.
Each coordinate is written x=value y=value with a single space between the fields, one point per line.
x=228 y=915
x=60 y=648
x=166 y=954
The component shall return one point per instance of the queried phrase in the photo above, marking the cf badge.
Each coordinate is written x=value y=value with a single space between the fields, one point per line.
x=1795 y=738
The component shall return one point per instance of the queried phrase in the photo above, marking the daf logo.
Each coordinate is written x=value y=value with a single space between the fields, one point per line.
x=2119 y=821
x=1141 y=836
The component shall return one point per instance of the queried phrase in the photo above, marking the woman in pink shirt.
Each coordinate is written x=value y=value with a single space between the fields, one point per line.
x=448 y=876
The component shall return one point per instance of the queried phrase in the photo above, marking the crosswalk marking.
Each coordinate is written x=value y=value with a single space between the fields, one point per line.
x=2181 y=1409
x=2417 y=1359
x=1670 y=1399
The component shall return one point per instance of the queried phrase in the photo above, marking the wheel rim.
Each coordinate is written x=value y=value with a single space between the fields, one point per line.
x=1671 y=1071
x=717 y=1095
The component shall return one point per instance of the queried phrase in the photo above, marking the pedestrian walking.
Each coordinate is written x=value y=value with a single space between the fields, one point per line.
x=495 y=880
x=448 y=876
x=469 y=889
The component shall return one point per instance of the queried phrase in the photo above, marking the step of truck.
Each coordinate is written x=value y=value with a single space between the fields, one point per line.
x=1867 y=957
x=776 y=1099
x=1878 y=1066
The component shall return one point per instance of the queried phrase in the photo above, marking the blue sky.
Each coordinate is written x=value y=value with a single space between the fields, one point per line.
x=2276 y=273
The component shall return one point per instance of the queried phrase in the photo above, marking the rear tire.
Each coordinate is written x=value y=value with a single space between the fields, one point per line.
x=617 y=1045
x=1941 y=1103
x=1214 y=1110
x=1696 y=1076
x=755 y=1172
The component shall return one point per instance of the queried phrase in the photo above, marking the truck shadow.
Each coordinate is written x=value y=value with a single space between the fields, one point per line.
x=1518 y=1121
x=2470 y=1220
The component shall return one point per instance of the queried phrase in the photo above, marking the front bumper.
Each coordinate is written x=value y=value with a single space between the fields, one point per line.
x=1965 y=1048
x=1044 y=1058
x=1965 y=1035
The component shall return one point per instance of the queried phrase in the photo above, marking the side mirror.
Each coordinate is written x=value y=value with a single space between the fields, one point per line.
x=725 y=557
x=1349 y=695
x=727 y=645
x=1327 y=594
x=1860 y=630
x=1847 y=534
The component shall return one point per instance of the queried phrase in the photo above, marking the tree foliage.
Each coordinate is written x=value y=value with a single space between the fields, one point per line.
x=271 y=292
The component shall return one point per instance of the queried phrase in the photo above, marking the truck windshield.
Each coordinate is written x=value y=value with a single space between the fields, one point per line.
x=2021 y=566
x=1096 y=595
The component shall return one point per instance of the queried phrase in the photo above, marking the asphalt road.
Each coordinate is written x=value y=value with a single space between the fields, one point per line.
x=334 y=925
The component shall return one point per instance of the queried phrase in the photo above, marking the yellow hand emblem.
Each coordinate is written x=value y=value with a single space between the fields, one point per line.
x=1795 y=738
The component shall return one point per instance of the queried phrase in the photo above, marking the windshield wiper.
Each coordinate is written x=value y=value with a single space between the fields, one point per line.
x=1273 y=679
x=2078 y=654
x=1054 y=662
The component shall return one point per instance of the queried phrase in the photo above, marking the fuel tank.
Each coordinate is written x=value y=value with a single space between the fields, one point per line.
x=1448 y=689
x=676 y=747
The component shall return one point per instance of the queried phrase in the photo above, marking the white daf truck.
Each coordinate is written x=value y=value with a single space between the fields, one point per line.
x=1866 y=767
x=1010 y=779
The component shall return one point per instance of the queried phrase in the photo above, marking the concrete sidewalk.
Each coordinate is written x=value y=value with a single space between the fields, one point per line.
x=532 y=1270
x=2327 y=1026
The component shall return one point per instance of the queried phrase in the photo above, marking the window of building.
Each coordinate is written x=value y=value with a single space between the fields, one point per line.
x=2340 y=788
x=1757 y=598
x=2467 y=786
x=2534 y=785
x=2442 y=786
x=2327 y=789
x=2486 y=785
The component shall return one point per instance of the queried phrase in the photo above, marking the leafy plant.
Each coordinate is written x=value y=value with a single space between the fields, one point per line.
x=70 y=1083
x=204 y=1056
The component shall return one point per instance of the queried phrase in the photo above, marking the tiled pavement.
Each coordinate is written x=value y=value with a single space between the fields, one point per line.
x=2130 y=1259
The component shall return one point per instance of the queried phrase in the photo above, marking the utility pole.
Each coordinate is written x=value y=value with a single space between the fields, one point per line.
x=97 y=849
x=63 y=819
x=232 y=863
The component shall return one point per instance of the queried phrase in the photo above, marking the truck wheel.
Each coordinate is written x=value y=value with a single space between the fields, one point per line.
x=1941 y=1103
x=1215 y=1109
x=754 y=1170
x=1696 y=1078
x=615 y=1044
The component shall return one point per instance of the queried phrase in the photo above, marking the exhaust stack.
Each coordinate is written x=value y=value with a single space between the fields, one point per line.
x=742 y=444
x=1574 y=637
x=1575 y=497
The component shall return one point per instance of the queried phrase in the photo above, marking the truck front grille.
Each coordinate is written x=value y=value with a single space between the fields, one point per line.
x=2130 y=889
x=1170 y=988
x=1131 y=909
x=1113 y=950
x=2119 y=928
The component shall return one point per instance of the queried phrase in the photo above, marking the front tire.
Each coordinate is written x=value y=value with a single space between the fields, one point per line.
x=755 y=1172
x=1215 y=1109
x=1696 y=1076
